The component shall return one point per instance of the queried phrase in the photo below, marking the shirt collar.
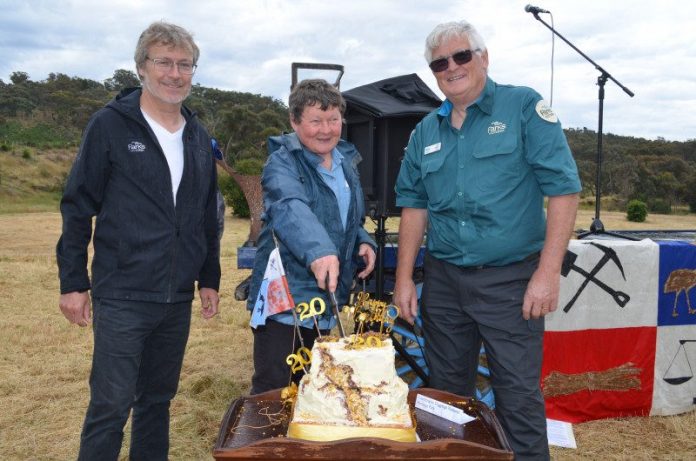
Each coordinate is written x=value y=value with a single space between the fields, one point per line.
x=316 y=160
x=292 y=143
x=484 y=100
x=336 y=159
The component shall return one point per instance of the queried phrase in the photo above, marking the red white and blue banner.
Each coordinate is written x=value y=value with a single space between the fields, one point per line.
x=623 y=340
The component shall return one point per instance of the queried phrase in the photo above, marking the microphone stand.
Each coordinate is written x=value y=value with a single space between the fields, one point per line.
x=596 y=227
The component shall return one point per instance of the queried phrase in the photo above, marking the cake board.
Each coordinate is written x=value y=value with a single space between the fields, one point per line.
x=254 y=428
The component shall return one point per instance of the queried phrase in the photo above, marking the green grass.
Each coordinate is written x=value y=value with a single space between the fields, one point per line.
x=34 y=203
x=31 y=178
x=46 y=135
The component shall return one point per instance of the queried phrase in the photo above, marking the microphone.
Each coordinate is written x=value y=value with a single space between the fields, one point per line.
x=535 y=9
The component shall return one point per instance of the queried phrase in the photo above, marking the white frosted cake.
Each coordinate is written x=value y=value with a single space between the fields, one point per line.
x=352 y=391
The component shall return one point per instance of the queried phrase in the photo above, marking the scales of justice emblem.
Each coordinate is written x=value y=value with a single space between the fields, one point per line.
x=680 y=370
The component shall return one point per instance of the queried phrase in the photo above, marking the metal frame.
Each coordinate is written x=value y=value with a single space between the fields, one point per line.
x=315 y=66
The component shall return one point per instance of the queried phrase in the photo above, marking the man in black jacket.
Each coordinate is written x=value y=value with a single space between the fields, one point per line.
x=146 y=171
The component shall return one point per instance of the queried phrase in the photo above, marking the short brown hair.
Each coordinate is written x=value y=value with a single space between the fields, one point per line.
x=311 y=92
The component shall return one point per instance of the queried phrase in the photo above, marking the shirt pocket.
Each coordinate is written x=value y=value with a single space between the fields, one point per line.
x=432 y=173
x=498 y=164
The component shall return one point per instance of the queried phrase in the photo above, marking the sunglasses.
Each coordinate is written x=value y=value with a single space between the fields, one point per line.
x=460 y=57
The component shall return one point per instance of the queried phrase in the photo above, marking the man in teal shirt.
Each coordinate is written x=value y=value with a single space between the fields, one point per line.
x=475 y=173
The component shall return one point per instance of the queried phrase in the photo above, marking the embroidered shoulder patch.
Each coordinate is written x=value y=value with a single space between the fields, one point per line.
x=546 y=112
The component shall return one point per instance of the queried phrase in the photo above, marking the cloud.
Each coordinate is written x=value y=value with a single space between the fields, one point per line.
x=249 y=45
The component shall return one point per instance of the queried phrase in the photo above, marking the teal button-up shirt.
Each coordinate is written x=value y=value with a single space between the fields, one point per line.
x=484 y=184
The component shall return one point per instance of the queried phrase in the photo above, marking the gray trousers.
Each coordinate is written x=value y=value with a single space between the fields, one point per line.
x=463 y=307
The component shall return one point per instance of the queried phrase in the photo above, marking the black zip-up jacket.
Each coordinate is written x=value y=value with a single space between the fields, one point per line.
x=145 y=248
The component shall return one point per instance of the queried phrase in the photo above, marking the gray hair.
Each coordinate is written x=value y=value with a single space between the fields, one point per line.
x=455 y=29
x=166 y=34
x=311 y=92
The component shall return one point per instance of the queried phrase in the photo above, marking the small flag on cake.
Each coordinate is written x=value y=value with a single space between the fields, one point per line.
x=274 y=295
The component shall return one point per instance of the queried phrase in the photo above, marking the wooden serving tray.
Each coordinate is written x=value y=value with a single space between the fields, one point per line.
x=254 y=428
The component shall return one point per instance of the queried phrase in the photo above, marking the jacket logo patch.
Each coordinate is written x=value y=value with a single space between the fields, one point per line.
x=136 y=146
x=496 y=128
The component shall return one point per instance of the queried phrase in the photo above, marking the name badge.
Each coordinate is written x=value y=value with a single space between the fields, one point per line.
x=432 y=148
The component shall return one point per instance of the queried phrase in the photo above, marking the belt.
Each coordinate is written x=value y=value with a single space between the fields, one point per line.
x=528 y=258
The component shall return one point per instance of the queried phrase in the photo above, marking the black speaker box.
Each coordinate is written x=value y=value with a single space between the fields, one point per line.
x=379 y=120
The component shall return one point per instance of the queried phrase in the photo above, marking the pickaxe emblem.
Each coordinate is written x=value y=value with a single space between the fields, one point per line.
x=609 y=255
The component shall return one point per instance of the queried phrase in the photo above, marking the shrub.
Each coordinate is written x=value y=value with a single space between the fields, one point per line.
x=234 y=197
x=26 y=154
x=660 y=206
x=636 y=211
x=690 y=195
x=249 y=165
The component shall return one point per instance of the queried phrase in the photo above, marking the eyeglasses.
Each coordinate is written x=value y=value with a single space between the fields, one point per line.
x=166 y=65
x=460 y=58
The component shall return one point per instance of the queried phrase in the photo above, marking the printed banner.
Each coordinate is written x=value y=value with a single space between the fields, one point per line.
x=675 y=362
x=607 y=284
x=274 y=295
x=675 y=357
x=623 y=340
x=677 y=298
x=594 y=374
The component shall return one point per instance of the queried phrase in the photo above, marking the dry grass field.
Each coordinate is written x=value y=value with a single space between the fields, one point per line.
x=45 y=362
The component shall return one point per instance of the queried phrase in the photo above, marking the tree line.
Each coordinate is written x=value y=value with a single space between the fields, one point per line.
x=61 y=106
x=53 y=112
x=658 y=172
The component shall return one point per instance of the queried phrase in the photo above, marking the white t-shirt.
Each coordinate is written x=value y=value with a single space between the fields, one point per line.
x=173 y=147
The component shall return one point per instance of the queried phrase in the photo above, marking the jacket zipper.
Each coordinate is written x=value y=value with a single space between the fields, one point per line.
x=177 y=228
x=172 y=266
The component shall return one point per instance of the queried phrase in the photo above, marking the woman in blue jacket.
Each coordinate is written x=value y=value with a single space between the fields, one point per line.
x=313 y=204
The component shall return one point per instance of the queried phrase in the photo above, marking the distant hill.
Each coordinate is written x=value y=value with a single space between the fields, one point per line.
x=53 y=112
x=32 y=179
x=661 y=173
x=41 y=124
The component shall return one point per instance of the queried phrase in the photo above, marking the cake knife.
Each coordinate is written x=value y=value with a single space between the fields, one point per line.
x=334 y=307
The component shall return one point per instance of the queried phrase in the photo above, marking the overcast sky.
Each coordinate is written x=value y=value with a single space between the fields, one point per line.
x=648 y=46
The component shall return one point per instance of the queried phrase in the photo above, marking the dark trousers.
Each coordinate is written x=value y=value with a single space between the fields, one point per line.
x=463 y=307
x=138 y=353
x=273 y=342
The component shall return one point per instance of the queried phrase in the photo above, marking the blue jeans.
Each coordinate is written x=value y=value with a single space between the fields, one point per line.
x=138 y=352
